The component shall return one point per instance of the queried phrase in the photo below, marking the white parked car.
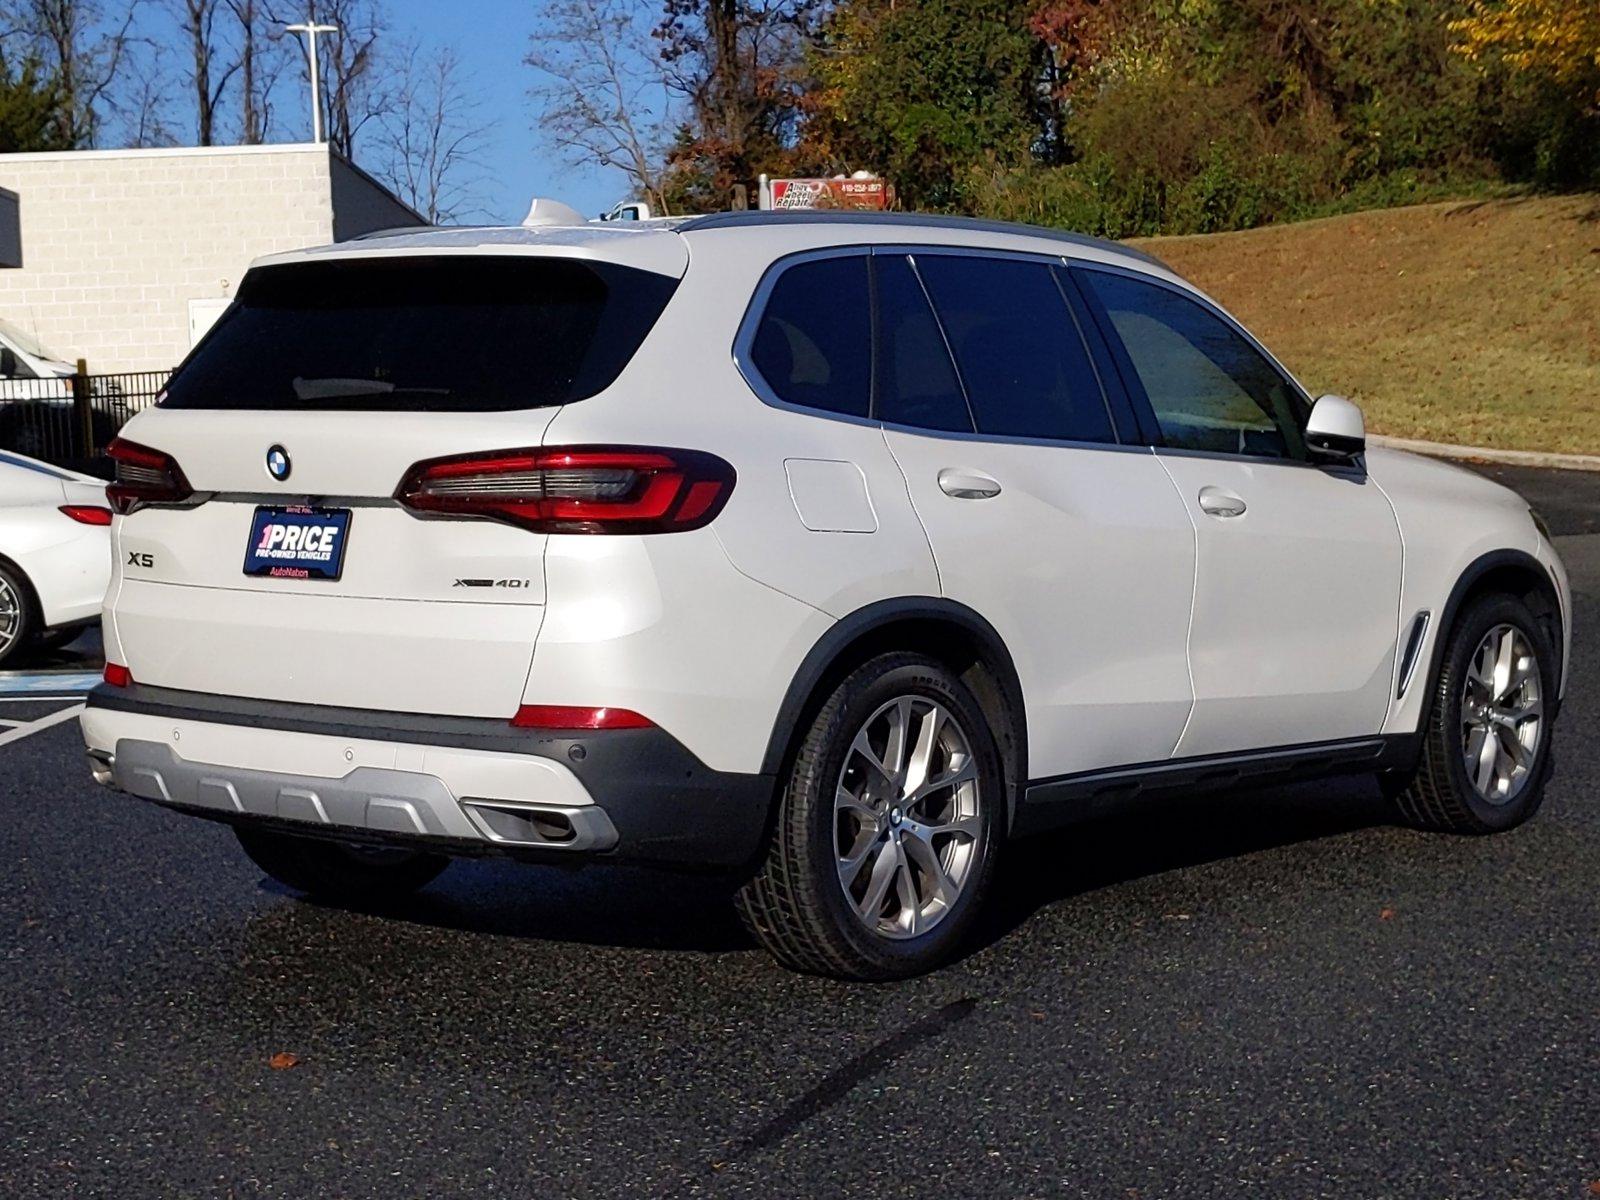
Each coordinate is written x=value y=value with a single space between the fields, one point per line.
x=27 y=370
x=55 y=554
x=830 y=549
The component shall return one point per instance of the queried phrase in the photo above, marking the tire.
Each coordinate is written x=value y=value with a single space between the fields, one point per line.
x=331 y=871
x=18 y=616
x=1443 y=794
x=800 y=907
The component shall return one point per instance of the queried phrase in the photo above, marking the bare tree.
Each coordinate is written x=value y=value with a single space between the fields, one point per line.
x=604 y=88
x=261 y=62
x=432 y=139
x=209 y=72
x=83 y=45
x=145 y=101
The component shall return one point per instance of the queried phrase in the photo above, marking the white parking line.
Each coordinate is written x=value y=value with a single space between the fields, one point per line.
x=39 y=726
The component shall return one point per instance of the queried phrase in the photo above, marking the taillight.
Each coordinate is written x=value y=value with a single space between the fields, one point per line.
x=561 y=716
x=117 y=675
x=87 y=514
x=144 y=476
x=575 y=489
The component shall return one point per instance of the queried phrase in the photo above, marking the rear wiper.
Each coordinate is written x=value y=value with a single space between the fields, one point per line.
x=334 y=388
x=329 y=388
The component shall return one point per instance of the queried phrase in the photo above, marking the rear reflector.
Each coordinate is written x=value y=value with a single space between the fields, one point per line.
x=117 y=675
x=144 y=476
x=87 y=514
x=559 y=716
x=575 y=489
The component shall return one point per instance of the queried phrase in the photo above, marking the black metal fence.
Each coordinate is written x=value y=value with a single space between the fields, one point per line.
x=71 y=420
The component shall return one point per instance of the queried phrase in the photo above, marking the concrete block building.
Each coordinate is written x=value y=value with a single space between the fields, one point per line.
x=124 y=257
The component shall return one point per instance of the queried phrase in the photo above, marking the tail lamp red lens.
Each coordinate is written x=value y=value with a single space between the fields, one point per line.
x=575 y=489
x=87 y=514
x=117 y=675
x=561 y=716
x=144 y=476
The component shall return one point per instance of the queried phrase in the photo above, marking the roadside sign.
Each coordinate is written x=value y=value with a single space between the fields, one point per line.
x=840 y=193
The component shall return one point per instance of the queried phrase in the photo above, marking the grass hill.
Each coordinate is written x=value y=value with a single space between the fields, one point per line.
x=1475 y=322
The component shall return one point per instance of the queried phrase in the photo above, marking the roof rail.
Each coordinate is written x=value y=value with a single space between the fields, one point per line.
x=393 y=231
x=729 y=220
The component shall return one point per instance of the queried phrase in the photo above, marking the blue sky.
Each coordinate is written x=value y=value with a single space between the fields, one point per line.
x=492 y=36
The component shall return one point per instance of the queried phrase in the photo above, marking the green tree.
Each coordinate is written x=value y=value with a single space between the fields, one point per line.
x=926 y=91
x=30 y=108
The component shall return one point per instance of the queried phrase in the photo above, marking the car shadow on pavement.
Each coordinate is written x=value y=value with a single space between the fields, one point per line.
x=639 y=908
x=1169 y=834
x=626 y=907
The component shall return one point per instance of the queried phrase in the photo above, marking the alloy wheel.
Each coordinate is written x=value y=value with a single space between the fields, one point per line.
x=10 y=615
x=1502 y=714
x=908 y=824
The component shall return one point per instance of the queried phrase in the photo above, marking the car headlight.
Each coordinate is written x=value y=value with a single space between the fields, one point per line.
x=1540 y=524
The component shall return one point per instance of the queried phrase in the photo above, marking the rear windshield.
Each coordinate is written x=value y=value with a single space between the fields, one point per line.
x=446 y=334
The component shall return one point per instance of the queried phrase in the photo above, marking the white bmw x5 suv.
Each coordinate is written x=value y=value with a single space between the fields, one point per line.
x=832 y=550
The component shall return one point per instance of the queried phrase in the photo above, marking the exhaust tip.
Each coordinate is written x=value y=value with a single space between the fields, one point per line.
x=555 y=827
x=101 y=767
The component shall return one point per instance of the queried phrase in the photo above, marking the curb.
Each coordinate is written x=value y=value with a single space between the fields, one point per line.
x=1516 y=458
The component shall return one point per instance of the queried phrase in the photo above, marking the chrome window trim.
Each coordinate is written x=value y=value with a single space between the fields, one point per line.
x=745 y=335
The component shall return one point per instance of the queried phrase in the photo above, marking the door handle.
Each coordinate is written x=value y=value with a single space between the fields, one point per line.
x=1218 y=503
x=967 y=485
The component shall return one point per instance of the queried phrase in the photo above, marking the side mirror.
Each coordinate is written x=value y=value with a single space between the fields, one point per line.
x=1335 y=431
x=8 y=362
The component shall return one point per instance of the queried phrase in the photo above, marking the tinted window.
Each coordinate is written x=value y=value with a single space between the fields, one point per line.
x=814 y=344
x=1021 y=356
x=916 y=382
x=1210 y=388
x=456 y=334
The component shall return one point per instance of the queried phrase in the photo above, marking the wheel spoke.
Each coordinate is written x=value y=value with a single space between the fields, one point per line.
x=1524 y=670
x=883 y=873
x=845 y=800
x=1512 y=748
x=860 y=851
x=894 y=754
x=968 y=770
x=921 y=761
x=940 y=883
x=1530 y=708
x=862 y=748
x=966 y=826
x=1488 y=754
x=1504 y=663
x=906 y=891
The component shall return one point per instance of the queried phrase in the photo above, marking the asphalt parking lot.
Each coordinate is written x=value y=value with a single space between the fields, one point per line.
x=1272 y=993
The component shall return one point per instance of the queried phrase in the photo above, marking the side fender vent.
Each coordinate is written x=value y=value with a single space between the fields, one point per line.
x=1413 y=652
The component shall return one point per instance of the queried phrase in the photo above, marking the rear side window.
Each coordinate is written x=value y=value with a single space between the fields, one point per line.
x=813 y=346
x=443 y=334
x=1210 y=389
x=1022 y=359
x=916 y=383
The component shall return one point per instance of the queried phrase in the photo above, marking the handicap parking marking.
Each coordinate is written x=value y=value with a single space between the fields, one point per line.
x=69 y=684
x=39 y=726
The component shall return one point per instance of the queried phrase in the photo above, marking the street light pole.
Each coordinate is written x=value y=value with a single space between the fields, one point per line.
x=311 y=29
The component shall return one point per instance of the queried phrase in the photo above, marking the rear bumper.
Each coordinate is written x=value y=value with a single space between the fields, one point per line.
x=456 y=785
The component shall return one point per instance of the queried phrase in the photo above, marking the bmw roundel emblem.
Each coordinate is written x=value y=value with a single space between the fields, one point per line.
x=278 y=464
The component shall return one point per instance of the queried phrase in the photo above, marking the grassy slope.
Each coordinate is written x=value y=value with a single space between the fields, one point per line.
x=1475 y=322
